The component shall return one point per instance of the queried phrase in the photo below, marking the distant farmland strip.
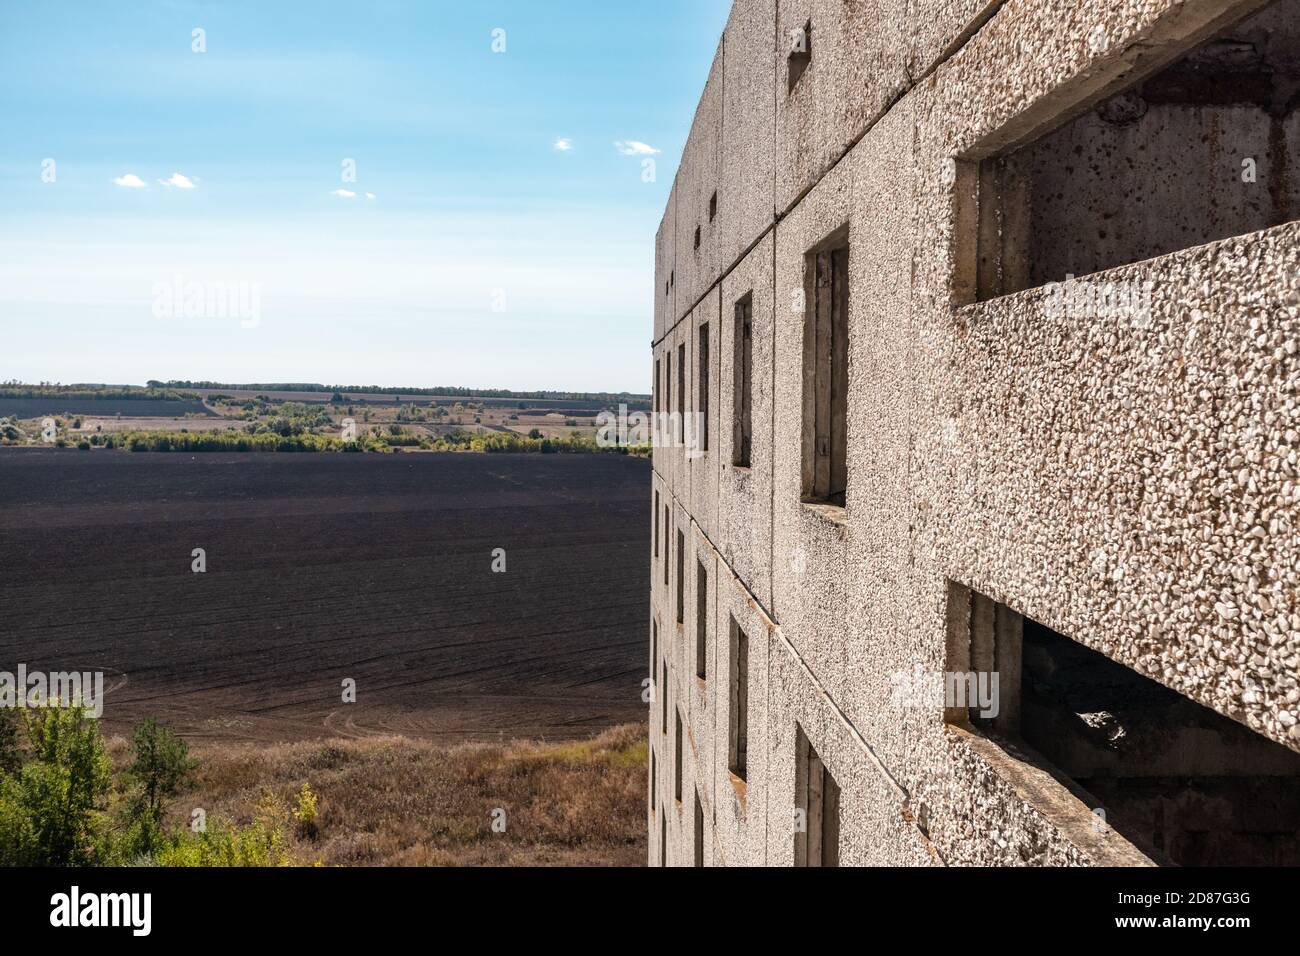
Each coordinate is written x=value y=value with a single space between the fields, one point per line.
x=134 y=408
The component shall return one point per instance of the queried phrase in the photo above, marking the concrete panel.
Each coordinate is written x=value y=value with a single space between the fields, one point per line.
x=938 y=28
x=740 y=807
x=747 y=197
x=857 y=68
x=810 y=548
x=698 y=181
x=703 y=464
x=701 y=693
x=665 y=269
x=875 y=829
x=745 y=493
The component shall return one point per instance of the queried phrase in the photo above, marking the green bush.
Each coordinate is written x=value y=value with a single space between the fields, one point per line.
x=161 y=768
x=52 y=811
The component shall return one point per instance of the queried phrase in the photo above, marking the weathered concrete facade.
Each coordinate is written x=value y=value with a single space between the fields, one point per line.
x=1088 y=488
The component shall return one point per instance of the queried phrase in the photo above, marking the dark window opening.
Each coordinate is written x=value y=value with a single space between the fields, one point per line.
x=701 y=621
x=667 y=542
x=681 y=577
x=738 y=709
x=826 y=350
x=699 y=830
x=663 y=837
x=654 y=784
x=800 y=55
x=663 y=695
x=681 y=378
x=713 y=207
x=654 y=644
x=1183 y=783
x=657 y=389
x=743 y=386
x=817 y=795
x=677 y=763
x=703 y=409
x=697 y=237
x=656 y=525
x=1201 y=151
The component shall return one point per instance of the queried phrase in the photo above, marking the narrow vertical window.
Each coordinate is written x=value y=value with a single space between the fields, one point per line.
x=681 y=378
x=667 y=525
x=656 y=525
x=699 y=830
x=701 y=621
x=663 y=838
x=663 y=695
x=703 y=408
x=800 y=55
x=677 y=762
x=681 y=577
x=654 y=784
x=826 y=351
x=654 y=644
x=817 y=796
x=743 y=383
x=657 y=388
x=738 y=709
x=668 y=380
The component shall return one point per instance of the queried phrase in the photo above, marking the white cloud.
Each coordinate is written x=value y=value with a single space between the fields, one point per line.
x=563 y=144
x=370 y=195
x=631 y=147
x=344 y=193
x=179 y=181
x=130 y=181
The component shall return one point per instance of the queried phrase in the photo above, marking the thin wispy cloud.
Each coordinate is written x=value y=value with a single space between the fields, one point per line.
x=632 y=147
x=562 y=145
x=130 y=181
x=343 y=193
x=179 y=181
x=370 y=195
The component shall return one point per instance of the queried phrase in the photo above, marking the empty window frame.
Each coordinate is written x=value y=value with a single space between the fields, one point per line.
x=663 y=695
x=738 y=703
x=656 y=525
x=800 y=55
x=677 y=758
x=668 y=379
x=699 y=830
x=681 y=578
x=817 y=795
x=743 y=384
x=681 y=378
x=654 y=783
x=1197 y=152
x=1183 y=783
x=702 y=406
x=667 y=542
x=825 y=393
x=701 y=621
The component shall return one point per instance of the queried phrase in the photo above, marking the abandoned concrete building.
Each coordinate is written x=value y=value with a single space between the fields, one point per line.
x=983 y=546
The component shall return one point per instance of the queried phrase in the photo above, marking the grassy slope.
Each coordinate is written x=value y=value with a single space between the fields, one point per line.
x=401 y=802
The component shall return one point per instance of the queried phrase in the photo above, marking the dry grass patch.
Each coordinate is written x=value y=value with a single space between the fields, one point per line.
x=402 y=802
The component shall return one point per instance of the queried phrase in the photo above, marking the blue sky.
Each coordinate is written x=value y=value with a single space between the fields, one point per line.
x=489 y=254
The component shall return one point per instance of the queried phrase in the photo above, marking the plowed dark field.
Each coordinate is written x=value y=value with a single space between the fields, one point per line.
x=325 y=567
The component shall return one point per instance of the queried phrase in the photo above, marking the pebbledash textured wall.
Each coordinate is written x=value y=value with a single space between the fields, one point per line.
x=1088 y=486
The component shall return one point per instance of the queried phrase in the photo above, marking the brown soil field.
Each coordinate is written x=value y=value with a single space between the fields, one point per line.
x=321 y=568
x=101 y=407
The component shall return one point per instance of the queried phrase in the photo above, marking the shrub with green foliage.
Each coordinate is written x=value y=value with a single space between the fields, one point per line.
x=52 y=810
